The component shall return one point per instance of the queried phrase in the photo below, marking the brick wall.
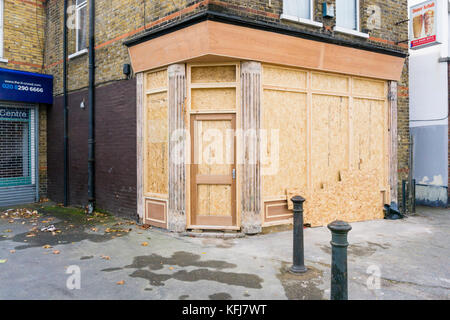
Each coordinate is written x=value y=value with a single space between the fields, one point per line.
x=23 y=34
x=115 y=131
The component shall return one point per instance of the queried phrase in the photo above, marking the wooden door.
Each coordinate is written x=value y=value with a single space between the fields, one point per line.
x=213 y=170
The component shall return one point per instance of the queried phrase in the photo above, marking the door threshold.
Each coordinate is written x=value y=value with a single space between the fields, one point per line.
x=217 y=228
x=214 y=234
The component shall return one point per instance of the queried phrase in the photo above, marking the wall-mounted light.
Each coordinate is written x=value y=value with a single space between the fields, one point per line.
x=82 y=104
x=127 y=69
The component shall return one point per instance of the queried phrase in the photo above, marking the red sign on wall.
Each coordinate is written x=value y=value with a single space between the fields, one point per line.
x=424 y=24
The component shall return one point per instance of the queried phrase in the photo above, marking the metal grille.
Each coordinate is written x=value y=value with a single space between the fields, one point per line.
x=16 y=147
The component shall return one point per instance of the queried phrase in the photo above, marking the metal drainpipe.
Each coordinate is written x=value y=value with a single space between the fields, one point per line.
x=66 y=136
x=91 y=139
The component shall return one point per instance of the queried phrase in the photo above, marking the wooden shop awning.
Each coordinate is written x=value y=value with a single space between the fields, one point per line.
x=209 y=41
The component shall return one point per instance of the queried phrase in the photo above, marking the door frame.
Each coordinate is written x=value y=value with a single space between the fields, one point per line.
x=219 y=222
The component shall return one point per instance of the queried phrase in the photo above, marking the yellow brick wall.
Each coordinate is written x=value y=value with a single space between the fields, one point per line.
x=23 y=35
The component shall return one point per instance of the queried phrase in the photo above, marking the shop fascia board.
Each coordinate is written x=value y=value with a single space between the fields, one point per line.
x=211 y=40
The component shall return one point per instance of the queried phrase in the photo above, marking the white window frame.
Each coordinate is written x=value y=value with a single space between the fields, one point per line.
x=78 y=7
x=309 y=21
x=356 y=32
x=1 y=33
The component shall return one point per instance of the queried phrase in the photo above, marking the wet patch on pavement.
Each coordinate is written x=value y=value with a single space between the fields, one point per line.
x=71 y=225
x=302 y=286
x=144 y=265
x=229 y=278
x=179 y=258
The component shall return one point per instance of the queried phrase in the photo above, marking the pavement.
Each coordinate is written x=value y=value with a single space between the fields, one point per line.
x=103 y=257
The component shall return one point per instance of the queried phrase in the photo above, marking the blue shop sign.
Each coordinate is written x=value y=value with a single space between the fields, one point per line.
x=26 y=86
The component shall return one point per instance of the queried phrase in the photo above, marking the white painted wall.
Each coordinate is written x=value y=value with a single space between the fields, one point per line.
x=428 y=79
x=428 y=99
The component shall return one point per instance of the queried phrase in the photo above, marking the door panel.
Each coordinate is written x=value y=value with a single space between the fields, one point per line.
x=213 y=170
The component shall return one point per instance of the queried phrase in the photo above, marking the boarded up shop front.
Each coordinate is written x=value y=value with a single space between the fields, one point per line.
x=228 y=133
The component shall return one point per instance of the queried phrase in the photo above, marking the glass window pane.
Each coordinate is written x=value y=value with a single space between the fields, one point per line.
x=297 y=8
x=346 y=14
x=81 y=31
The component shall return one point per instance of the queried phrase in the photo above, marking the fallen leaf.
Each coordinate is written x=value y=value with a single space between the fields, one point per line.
x=8 y=230
x=144 y=244
x=55 y=251
x=106 y=257
x=3 y=260
x=94 y=229
x=12 y=251
x=47 y=246
x=121 y=282
x=170 y=268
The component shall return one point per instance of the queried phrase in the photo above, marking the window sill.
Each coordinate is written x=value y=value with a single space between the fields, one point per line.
x=3 y=60
x=77 y=54
x=301 y=20
x=351 y=32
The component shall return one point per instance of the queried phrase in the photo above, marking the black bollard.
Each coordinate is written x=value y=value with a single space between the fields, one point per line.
x=339 y=282
x=298 y=256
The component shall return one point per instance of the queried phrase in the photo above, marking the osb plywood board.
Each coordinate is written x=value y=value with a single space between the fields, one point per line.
x=156 y=153
x=284 y=77
x=355 y=198
x=213 y=74
x=213 y=99
x=369 y=135
x=214 y=200
x=329 y=145
x=214 y=148
x=347 y=147
x=329 y=82
x=156 y=79
x=369 y=87
x=284 y=112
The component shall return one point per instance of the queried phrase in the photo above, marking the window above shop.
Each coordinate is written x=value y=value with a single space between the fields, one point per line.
x=81 y=22
x=1 y=33
x=347 y=18
x=301 y=11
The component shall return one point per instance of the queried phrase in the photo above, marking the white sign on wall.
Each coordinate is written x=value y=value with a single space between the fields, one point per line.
x=424 y=24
